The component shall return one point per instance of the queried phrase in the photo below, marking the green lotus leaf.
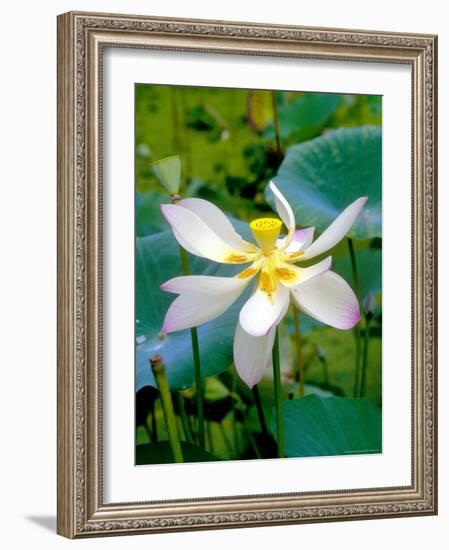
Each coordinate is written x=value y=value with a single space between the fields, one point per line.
x=320 y=426
x=157 y=260
x=321 y=177
x=369 y=267
x=149 y=218
x=306 y=116
x=161 y=453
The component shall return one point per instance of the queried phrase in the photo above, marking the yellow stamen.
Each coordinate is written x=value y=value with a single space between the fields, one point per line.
x=236 y=258
x=267 y=282
x=266 y=232
x=293 y=256
x=246 y=273
x=285 y=273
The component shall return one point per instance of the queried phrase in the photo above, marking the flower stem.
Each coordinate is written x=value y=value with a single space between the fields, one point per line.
x=278 y=396
x=226 y=440
x=186 y=131
x=184 y=261
x=260 y=413
x=277 y=132
x=175 y=118
x=299 y=360
x=209 y=437
x=236 y=432
x=325 y=371
x=365 y=357
x=167 y=404
x=198 y=386
x=184 y=419
x=234 y=421
x=153 y=423
x=196 y=363
x=357 y=333
x=251 y=439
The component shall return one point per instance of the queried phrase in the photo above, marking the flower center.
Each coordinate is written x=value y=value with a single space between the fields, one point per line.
x=266 y=232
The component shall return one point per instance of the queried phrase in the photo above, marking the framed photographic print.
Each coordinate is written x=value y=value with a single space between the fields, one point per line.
x=247 y=274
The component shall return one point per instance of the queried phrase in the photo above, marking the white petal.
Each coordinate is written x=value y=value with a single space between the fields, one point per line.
x=195 y=307
x=336 y=231
x=198 y=238
x=262 y=311
x=217 y=221
x=252 y=355
x=285 y=213
x=329 y=299
x=203 y=284
x=292 y=276
x=302 y=239
x=185 y=244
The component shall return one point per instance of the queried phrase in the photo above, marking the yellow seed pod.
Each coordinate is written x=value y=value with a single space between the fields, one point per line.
x=168 y=172
x=266 y=232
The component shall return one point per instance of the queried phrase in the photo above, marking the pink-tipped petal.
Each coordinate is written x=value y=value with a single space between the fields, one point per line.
x=205 y=285
x=329 y=299
x=336 y=231
x=198 y=238
x=252 y=355
x=302 y=274
x=262 y=310
x=302 y=239
x=201 y=299
x=189 y=311
x=185 y=244
x=217 y=221
x=285 y=213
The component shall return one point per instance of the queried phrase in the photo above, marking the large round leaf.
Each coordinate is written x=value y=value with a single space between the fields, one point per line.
x=322 y=176
x=369 y=266
x=306 y=116
x=149 y=218
x=317 y=426
x=157 y=260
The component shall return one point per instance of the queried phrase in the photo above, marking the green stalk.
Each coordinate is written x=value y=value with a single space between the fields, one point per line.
x=226 y=440
x=196 y=363
x=278 y=397
x=175 y=118
x=234 y=421
x=153 y=422
x=186 y=135
x=148 y=432
x=299 y=361
x=277 y=132
x=209 y=437
x=184 y=419
x=184 y=261
x=236 y=429
x=325 y=371
x=251 y=439
x=357 y=333
x=167 y=404
x=198 y=386
x=260 y=413
x=365 y=357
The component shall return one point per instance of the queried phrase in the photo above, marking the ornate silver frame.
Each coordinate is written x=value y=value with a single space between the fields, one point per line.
x=81 y=38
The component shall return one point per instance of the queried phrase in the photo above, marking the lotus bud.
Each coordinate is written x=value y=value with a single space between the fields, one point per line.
x=168 y=172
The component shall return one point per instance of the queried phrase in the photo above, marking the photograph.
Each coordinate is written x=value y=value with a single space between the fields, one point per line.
x=247 y=274
x=258 y=274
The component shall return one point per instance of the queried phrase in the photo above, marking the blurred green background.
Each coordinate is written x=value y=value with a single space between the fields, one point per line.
x=226 y=139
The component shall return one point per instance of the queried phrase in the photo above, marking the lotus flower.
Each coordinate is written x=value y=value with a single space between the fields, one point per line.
x=204 y=230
